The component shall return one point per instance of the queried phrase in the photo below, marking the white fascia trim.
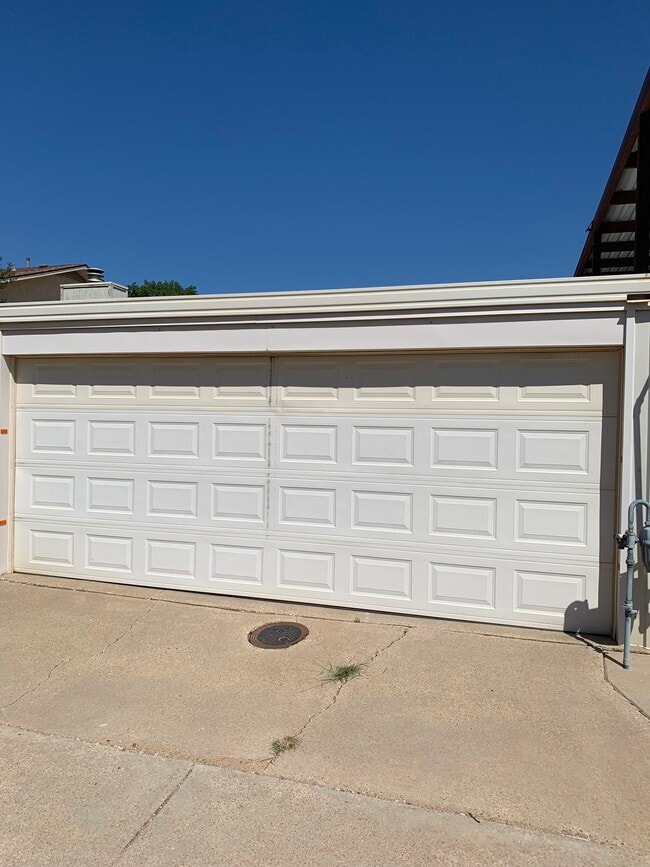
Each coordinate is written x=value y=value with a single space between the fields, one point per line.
x=558 y=295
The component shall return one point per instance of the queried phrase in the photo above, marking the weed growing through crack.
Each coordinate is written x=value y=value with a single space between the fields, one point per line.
x=284 y=745
x=357 y=620
x=341 y=673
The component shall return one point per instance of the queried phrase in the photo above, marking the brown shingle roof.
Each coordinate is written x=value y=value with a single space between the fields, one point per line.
x=45 y=269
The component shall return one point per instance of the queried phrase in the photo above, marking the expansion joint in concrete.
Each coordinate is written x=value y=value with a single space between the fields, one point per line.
x=151 y=818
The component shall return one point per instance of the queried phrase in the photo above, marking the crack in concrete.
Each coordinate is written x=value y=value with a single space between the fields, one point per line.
x=447 y=810
x=332 y=702
x=603 y=651
x=381 y=650
x=152 y=817
x=619 y=691
x=127 y=630
x=67 y=659
x=38 y=685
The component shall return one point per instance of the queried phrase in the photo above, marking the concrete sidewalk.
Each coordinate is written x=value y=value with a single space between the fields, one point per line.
x=128 y=716
x=69 y=804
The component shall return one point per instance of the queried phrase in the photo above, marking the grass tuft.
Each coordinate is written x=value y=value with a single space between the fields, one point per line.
x=284 y=745
x=342 y=673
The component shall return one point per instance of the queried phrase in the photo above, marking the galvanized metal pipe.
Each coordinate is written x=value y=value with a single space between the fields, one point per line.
x=629 y=541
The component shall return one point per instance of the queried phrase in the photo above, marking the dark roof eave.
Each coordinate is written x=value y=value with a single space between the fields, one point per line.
x=642 y=104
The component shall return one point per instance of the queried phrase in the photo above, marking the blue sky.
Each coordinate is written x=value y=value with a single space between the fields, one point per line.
x=296 y=144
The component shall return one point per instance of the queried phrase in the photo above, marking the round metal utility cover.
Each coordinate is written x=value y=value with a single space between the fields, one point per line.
x=275 y=636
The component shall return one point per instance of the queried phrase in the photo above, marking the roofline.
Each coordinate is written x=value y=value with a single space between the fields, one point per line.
x=642 y=104
x=49 y=273
x=387 y=301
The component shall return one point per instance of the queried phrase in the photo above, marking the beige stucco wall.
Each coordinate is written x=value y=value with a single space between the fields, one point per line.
x=44 y=288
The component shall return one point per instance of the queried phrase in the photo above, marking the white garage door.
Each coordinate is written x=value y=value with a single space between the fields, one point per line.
x=470 y=486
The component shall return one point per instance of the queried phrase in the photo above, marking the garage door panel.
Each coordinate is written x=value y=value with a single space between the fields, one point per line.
x=560 y=451
x=523 y=590
x=465 y=485
x=523 y=382
x=203 y=381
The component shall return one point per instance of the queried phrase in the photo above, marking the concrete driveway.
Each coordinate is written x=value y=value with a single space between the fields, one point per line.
x=137 y=728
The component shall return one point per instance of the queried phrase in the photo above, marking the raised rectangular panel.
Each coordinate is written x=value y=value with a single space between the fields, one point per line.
x=561 y=380
x=548 y=592
x=553 y=393
x=462 y=585
x=239 y=442
x=107 y=381
x=175 y=379
x=464 y=448
x=383 y=446
x=53 y=437
x=173 y=439
x=306 y=570
x=172 y=499
x=556 y=523
x=53 y=380
x=553 y=451
x=50 y=547
x=238 y=503
x=375 y=576
x=170 y=559
x=52 y=492
x=114 y=553
x=377 y=510
x=472 y=517
x=385 y=381
x=111 y=438
x=466 y=392
x=239 y=564
x=110 y=495
x=308 y=507
x=476 y=382
x=308 y=443
x=308 y=380
x=242 y=381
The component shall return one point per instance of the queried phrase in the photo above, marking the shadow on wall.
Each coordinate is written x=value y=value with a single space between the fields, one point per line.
x=579 y=617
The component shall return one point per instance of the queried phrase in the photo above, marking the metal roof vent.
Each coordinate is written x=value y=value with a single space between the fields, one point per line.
x=95 y=275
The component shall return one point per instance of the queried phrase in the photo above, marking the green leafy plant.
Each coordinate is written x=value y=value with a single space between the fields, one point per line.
x=284 y=745
x=342 y=673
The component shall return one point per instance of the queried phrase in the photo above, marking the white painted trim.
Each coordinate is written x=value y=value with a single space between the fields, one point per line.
x=564 y=292
x=595 y=330
x=625 y=486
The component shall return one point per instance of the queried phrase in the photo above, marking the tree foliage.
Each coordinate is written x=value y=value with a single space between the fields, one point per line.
x=5 y=271
x=159 y=287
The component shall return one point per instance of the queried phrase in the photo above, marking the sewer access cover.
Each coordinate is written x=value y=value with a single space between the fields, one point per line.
x=275 y=636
